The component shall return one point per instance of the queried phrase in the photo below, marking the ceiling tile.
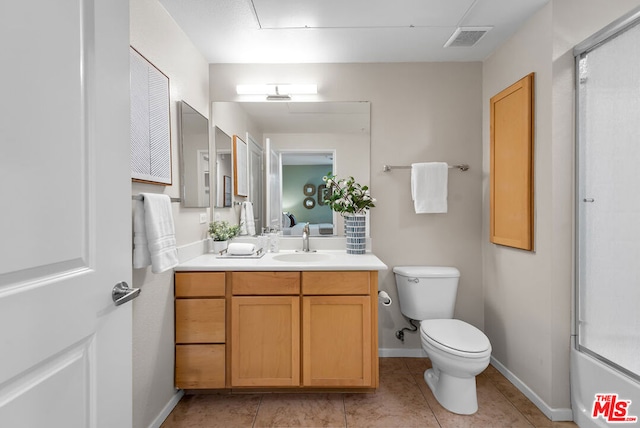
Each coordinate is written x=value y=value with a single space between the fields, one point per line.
x=276 y=14
x=229 y=31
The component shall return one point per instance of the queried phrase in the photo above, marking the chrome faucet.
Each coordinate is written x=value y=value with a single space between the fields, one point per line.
x=305 y=238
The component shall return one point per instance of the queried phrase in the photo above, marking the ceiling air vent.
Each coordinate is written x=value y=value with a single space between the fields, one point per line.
x=466 y=36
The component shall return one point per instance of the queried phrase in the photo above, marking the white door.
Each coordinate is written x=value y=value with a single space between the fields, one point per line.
x=273 y=194
x=65 y=239
x=256 y=181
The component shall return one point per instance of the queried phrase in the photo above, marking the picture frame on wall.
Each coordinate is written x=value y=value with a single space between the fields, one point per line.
x=150 y=122
x=240 y=171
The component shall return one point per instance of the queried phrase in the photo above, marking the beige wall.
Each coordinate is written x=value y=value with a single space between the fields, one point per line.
x=527 y=295
x=156 y=36
x=419 y=112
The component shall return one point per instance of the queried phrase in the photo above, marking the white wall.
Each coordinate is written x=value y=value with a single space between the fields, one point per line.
x=419 y=112
x=156 y=36
x=527 y=295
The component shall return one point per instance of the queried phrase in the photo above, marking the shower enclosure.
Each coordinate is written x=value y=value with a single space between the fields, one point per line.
x=605 y=358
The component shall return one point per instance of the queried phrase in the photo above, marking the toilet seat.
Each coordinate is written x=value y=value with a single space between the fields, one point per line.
x=456 y=337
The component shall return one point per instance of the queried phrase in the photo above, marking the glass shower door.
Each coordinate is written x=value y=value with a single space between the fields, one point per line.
x=608 y=208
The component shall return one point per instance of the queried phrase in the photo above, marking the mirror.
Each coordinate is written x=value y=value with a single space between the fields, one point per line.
x=224 y=187
x=302 y=192
x=194 y=153
x=340 y=130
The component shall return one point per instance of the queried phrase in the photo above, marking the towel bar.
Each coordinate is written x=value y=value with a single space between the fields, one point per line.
x=140 y=198
x=387 y=168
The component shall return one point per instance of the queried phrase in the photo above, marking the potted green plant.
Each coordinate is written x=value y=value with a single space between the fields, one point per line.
x=221 y=232
x=352 y=201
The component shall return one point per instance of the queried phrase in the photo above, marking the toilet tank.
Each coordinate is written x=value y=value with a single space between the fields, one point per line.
x=427 y=292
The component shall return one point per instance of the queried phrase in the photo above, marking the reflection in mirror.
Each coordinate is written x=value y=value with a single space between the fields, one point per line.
x=341 y=128
x=194 y=152
x=302 y=193
x=222 y=143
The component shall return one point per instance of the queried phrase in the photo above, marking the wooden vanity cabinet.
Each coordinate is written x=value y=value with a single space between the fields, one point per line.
x=265 y=329
x=304 y=330
x=200 y=316
x=339 y=348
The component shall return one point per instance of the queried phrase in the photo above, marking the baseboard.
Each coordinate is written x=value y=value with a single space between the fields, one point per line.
x=167 y=409
x=553 y=414
x=401 y=352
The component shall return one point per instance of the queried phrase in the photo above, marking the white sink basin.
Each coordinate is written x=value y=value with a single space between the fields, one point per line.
x=302 y=257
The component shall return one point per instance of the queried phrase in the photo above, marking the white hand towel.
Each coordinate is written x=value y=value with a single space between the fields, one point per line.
x=241 y=248
x=429 y=187
x=242 y=221
x=141 y=256
x=247 y=222
x=160 y=234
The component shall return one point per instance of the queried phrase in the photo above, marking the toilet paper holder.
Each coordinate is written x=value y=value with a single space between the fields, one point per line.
x=384 y=298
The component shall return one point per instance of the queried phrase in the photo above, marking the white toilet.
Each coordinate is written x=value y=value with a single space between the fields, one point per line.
x=458 y=351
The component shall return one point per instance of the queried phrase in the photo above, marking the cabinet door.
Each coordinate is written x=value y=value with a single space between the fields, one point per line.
x=265 y=341
x=337 y=342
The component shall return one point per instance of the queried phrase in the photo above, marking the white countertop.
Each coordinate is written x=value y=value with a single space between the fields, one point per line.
x=334 y=260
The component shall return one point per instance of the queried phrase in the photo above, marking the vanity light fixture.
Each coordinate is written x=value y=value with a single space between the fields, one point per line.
x=277 y=91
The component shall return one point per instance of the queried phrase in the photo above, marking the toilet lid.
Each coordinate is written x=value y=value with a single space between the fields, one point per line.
x=456 y=335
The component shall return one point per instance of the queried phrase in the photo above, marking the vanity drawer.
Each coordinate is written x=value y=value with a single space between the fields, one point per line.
x=200 y=284
x=200 y=366
x=265 y=283
x=200 y=320
x=336 y=283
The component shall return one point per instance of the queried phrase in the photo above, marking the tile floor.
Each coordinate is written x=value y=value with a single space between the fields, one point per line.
x=403 y=400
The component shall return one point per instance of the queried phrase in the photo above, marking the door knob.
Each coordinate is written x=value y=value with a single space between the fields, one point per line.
x=122 y=293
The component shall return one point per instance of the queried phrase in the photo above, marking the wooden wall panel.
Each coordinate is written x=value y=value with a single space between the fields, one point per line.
x=511 y=187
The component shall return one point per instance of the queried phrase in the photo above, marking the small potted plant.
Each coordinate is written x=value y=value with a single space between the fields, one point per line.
x=221 y=232
x=352 y=201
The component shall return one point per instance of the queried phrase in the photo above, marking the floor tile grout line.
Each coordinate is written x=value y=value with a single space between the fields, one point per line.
x=255 y=416
x=344 y=410
x=495 y=385
x=424 y=397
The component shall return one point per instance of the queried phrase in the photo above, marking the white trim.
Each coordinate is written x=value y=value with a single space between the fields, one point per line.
x=166 y=411
x=561 y=414
x=402 y=352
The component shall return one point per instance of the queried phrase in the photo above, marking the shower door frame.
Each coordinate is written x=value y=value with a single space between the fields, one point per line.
x=591 y=373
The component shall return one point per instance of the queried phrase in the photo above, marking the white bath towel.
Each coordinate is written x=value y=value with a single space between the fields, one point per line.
x=154 y=234
x=429 y=187
x=247 y=222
